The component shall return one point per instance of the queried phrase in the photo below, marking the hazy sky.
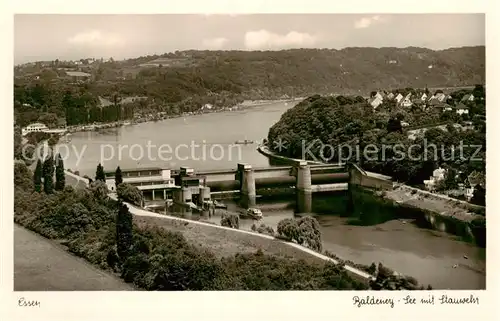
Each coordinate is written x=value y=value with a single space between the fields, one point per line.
x=47 y=37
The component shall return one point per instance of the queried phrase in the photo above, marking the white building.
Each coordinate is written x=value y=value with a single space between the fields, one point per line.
x=398 y=98
x=376 y=101
x=441 y=97
x=461 y=109
x=407 y=101
x=143 y=178
x=35 y=127
x=437 y=176
x=207 y=106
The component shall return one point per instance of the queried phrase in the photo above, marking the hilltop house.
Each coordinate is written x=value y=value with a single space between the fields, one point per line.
x=423 y=97
x=407 y=101
x=375 y=101
x=398 y=98
x=440 y=97
x=379 y=96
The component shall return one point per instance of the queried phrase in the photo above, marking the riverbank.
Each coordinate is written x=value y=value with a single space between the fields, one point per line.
x=247 y=104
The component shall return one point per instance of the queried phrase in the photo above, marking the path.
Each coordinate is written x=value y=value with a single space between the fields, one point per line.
x=42 y=265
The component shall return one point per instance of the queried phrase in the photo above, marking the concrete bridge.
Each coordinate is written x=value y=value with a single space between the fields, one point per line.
x=190 y=189
x=246 y=176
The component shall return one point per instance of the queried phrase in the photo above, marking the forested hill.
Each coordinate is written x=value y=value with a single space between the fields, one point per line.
x=184 y=81
x=300 y=72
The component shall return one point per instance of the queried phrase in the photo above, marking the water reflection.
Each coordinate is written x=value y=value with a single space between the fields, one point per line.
x=372 y=232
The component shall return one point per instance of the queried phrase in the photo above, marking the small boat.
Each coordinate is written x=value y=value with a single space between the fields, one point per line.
x=219 y=204
x=244 y=142
x=253 y=213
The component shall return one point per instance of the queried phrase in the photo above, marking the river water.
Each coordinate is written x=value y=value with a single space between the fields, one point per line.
x=207 y=142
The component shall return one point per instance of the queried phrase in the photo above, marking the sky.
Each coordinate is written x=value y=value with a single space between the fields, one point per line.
x=66 y=37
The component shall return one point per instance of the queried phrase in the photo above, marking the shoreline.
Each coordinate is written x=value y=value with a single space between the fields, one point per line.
x=238 y=107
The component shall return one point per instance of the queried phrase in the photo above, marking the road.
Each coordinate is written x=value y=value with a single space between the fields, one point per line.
x=42 y=265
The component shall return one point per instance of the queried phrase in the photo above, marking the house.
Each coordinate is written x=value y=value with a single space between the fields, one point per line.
x=207 y=107
x=437 y=176
x=390 y=96
x=35 y=127
x=475 y=178
x=468 y=97
x=440 y=97
x=407 y=101
x=398 y=98
x=103 y=102
x=461 y=109
x=78 y=75
x=423 y=97
x=129 y=100
x=443 y=106
x=378 y=95
x=375 y=101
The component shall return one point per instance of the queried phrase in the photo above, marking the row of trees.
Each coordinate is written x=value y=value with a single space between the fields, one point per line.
x=44 y=174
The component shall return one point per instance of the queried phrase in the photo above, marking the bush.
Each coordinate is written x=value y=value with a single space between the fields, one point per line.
x=305 y=231
x=264 y=229
x=129 y=193
x=230 y=220
x=99 y=189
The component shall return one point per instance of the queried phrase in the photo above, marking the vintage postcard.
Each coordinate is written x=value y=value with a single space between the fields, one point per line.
x=271 y=163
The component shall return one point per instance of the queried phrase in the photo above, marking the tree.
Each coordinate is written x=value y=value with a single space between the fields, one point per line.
x=124 y=231
x=48 y=175
x=479 y=196
x=230 y=220
x=305 y=231
x=37 y=177
x=99 y=174
x=60 y=176
x=99 y=190
x=118 y=177
x=129 y=193
x=394 y=125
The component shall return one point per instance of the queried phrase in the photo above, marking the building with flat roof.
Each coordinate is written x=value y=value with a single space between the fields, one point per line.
x=78 y=75
x=152 y=181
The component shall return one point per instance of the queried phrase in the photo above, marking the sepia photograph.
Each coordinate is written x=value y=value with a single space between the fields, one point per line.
x=250 y=152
